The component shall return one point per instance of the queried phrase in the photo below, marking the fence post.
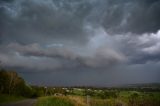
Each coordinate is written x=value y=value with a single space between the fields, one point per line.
x=88 y=100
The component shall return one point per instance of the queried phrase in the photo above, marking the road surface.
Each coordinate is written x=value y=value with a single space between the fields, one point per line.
x=28 y=102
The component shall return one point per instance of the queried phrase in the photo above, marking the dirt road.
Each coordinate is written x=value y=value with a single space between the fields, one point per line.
x=28 y=102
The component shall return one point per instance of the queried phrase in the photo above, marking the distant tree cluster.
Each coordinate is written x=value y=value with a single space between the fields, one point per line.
x=12 y=84
x=104 y=94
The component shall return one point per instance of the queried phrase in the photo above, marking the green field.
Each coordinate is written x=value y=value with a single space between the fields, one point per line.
x=124 y=98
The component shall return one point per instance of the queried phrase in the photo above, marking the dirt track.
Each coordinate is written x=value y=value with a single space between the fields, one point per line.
x=28 y=102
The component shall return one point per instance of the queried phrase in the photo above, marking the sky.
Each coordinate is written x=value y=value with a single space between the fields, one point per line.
x=81 y=42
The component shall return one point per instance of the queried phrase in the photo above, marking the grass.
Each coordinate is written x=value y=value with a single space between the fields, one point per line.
x=125 y=98
x=78 y=100
x=61 y=101
x=141 y=98
x=4 y=98
x=106 y=102
x=54 y=101
x=75 y=101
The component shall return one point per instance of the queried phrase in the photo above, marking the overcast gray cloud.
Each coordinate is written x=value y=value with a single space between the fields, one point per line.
x=73 y=35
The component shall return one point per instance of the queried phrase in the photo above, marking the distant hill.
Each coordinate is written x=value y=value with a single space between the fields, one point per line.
x=142 y=85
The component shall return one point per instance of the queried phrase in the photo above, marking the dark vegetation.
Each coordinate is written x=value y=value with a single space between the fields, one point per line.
x=12 y=84
x=13 y=88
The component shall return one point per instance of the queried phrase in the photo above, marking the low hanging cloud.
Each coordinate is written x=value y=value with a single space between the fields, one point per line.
x=95 y=54
x=33 y=63
x=140 y=48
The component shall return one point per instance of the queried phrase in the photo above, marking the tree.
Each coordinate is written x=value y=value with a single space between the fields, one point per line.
x=4 y=81
x=12 y=84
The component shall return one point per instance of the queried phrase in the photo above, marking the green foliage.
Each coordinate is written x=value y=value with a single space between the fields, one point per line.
x=108 y=94
x=4 y=81
x=144 y=99
x=76 y=91
x=38 y=91
x=103 y=94
x=89 y=92
x=53 y=101
x=12 y=84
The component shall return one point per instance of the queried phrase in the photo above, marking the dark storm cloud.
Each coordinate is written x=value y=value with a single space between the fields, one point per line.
x=136 y=16
x=42 y=35
x=45 y=22
x=38 y=20
x=49 y=19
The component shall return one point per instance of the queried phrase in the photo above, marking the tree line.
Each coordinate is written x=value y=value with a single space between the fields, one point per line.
x=12 y=84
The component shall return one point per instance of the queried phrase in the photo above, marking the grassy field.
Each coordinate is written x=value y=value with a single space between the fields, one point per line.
x=54 y=101
x=92 y=97
x=75 y=101
x=140 y=98
x=8 y=99
x=124 y=98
